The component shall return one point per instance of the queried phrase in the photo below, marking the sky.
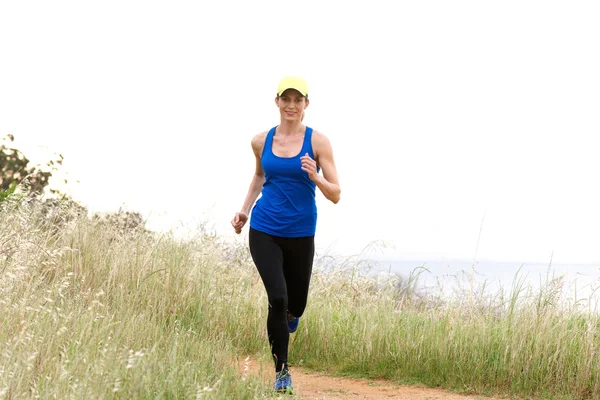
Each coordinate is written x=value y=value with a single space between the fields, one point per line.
x=460 y=129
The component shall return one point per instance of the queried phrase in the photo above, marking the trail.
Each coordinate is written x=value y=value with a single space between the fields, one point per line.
x=309 y=385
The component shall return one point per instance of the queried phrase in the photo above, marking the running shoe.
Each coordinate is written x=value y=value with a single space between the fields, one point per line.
x=283 y=382
x=292 y=323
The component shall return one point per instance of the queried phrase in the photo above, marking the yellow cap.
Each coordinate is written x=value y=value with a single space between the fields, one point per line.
x=293 y=82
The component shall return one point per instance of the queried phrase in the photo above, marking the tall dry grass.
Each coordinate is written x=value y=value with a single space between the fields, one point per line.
x=89 y=309
x=520 y=341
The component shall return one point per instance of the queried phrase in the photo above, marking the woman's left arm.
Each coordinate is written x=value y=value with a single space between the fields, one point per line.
x=328 y=183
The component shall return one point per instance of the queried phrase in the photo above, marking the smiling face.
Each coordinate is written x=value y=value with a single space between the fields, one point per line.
x=291 y=105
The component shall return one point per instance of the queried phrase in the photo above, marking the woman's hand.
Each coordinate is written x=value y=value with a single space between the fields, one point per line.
x=239 y=221
x=310 y=167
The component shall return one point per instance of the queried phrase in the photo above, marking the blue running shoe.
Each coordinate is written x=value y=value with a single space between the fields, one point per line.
x=283 y=382
x=293 y=325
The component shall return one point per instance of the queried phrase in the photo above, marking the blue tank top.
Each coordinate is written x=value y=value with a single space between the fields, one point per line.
x=287 y=206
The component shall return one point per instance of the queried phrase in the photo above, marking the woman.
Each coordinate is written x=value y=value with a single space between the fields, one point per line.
x=289 y=158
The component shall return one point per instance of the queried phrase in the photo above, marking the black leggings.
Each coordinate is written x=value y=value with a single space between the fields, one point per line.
x=285 y=266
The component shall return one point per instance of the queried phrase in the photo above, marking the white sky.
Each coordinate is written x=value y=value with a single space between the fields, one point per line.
x=439 y=112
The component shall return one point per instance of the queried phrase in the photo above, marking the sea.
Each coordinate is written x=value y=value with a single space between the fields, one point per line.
x=577 y=283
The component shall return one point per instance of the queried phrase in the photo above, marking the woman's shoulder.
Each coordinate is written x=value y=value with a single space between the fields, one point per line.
x=258 y=142
x=259 y=137
x=319 y=139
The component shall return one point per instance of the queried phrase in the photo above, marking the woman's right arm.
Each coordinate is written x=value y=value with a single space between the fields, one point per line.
x=258 y=180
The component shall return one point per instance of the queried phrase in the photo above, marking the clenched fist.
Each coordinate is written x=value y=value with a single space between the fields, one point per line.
x=239 y=221
x=310 y=167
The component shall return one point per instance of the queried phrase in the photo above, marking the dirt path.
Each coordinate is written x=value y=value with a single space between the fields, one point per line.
x=312 y=385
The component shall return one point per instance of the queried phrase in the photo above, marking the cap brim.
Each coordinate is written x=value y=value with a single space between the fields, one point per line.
x=298 y=90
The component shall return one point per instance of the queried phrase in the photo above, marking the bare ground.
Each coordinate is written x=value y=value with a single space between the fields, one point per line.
x=312 y=385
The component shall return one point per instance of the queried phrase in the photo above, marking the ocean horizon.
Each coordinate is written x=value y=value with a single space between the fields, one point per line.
x=578 y=281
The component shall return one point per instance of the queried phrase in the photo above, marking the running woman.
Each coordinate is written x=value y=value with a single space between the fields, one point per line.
x=289 y=159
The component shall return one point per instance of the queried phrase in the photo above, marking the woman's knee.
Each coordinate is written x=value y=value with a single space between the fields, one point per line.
x=278 y=303
x=297 y=310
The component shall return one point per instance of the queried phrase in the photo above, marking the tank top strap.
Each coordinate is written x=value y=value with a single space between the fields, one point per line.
x=268 y=146
x=307 y=145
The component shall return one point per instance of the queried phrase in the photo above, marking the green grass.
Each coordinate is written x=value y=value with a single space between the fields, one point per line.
x=88 y=310
x=527 y=344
